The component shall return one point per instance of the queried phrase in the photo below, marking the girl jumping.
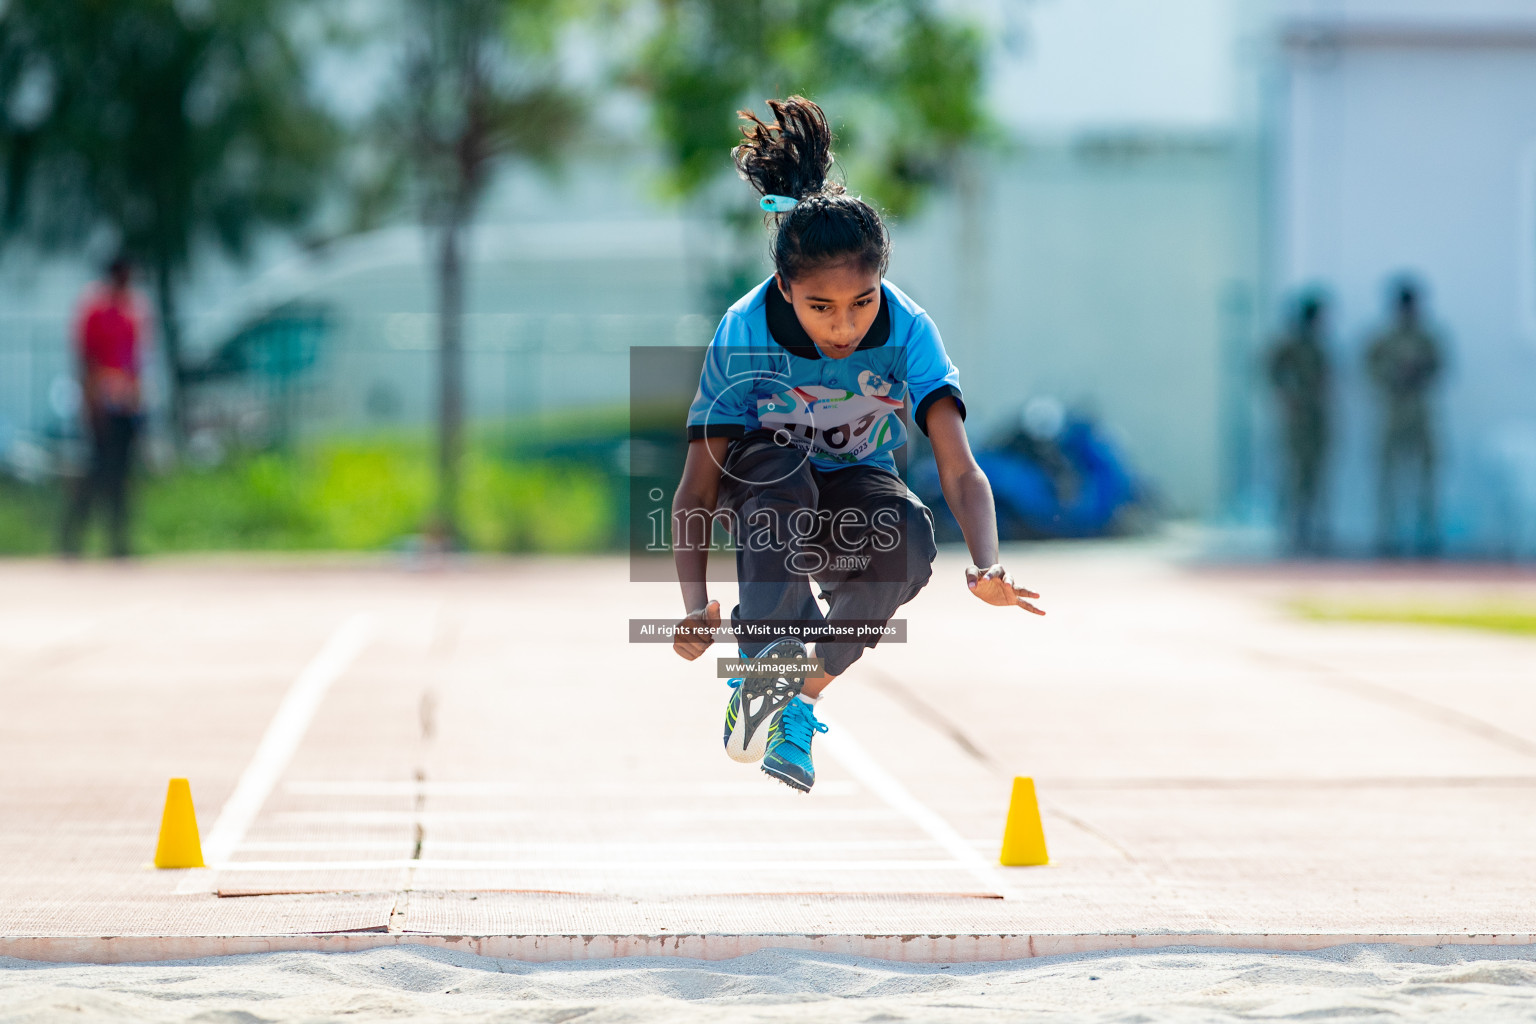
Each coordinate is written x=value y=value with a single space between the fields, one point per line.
x=791 y=436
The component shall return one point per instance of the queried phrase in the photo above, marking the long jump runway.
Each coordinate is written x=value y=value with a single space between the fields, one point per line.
x=475 y=758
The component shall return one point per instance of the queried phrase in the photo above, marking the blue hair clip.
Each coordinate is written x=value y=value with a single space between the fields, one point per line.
x=778 y=204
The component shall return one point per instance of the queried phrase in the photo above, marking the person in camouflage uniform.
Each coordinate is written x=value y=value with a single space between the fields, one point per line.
x=1301 y=378
x=1404 y=362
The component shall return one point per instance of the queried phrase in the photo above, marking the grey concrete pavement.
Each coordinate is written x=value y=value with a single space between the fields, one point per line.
x=484 y=761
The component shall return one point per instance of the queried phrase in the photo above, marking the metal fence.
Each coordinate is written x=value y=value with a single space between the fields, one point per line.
x=371 y=372
x=35 y=376
x=382 y=370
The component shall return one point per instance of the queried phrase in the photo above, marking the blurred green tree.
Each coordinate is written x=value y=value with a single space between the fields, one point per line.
x=901 y=80
x=481 y=85
x=166 y=123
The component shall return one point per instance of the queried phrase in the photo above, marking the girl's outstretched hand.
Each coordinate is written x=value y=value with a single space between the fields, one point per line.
x=695 y=633
x=994 y=585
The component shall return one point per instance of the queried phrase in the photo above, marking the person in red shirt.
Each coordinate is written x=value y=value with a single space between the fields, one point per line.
x=109 y=339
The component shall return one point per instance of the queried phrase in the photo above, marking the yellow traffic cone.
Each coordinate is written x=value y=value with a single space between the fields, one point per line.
x=1023 y=835
x=179 y=846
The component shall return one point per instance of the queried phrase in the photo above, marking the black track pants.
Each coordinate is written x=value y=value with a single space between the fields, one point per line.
x=858 y=533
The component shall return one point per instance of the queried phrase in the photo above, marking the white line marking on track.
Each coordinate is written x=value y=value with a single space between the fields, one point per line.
x=562 y=791
x=667 y=867
x=669 y=816
x=284 y=734
x=679 y=849
x=324 y=845
x=504 y=849
x=858 y=763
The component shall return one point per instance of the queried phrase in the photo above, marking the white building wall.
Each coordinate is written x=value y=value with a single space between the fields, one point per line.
x=1406 y=141
x=1103 y=281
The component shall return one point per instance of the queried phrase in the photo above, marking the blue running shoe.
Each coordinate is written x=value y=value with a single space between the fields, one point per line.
x=789 y=746
x=756 y=702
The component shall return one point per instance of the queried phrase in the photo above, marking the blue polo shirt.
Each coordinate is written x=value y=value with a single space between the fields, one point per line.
x=763 y=370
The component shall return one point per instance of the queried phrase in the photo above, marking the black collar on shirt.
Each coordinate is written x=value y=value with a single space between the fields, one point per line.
x=785 y=327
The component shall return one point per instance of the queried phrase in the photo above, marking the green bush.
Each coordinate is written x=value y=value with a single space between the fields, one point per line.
x=368 y=496
x=536 y=507
x=256 y=502
x=350 y=495
x=28 y=518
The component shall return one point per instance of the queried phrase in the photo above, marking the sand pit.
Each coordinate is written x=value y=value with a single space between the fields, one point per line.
x=1344 y=983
